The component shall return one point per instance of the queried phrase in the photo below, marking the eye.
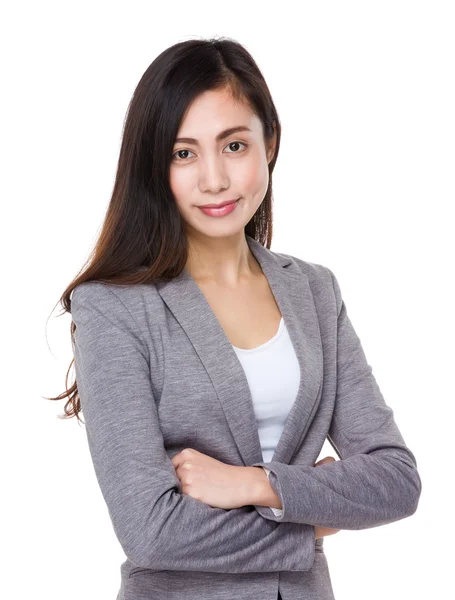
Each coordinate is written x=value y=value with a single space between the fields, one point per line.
x=178 y=152
x=174 y=156
x=233 y=143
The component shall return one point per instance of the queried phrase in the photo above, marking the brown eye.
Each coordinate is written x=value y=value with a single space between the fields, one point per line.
x=179 y=152
x=235 y=144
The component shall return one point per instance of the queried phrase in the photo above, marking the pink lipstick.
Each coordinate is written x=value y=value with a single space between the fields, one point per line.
x=219 y=210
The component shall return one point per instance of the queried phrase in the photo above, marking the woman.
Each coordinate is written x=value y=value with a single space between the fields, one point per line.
x=209 y=369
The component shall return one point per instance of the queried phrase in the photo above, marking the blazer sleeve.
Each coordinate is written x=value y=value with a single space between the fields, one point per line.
x=376 y=481
x=278 y=511
x=157 y=526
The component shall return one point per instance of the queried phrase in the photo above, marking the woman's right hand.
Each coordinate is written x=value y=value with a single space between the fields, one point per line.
x=322 y=531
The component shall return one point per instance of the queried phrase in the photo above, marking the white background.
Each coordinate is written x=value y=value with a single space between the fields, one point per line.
x=364 y=184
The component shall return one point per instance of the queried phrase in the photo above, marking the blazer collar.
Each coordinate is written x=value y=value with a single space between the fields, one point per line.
x=291 y=289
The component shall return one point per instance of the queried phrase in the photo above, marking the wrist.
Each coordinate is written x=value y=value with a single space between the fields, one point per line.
x=260 y=491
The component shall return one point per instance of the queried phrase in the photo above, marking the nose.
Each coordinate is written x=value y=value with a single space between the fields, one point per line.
x=213 y=176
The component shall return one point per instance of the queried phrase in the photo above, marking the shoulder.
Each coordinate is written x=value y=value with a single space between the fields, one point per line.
x=317 y=273
x=114 y=307
x=112 y=297
x=321 y=278
x=92 y=292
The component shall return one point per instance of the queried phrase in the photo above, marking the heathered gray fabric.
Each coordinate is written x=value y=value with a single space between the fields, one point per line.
x=157 y=374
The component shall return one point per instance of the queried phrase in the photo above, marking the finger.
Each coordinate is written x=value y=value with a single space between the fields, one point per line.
x=176 y=460
x=325 y=460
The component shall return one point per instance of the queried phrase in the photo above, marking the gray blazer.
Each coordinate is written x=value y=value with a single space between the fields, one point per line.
x=156 y=374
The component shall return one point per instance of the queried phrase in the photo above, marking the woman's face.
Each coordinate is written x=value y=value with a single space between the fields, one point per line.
x=207 y=170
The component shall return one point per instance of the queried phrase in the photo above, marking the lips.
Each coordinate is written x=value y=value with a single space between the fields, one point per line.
x=220 y=210
x=219 y=205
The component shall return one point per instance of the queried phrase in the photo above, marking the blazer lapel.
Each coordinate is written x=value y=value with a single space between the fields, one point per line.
x=291 y=289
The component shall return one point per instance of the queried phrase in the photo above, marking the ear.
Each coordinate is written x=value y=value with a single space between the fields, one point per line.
x=271 y=145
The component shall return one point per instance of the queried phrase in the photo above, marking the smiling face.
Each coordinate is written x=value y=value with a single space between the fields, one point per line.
x=206 y=170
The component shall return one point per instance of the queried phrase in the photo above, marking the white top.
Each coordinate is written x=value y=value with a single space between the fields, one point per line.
x=273 y=374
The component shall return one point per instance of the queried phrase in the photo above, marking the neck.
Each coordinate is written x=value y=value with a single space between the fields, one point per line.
x=226 y=261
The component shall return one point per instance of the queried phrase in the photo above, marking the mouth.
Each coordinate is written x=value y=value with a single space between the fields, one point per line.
x=219 y=210
x=219 y=205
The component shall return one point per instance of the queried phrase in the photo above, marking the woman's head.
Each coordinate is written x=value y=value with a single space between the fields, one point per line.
x=197 y=89
x=220 y=154
x=193 y=89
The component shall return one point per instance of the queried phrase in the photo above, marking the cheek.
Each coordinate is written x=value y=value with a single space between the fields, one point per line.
x=253 y=176
x=180 y=184
x=178 y=181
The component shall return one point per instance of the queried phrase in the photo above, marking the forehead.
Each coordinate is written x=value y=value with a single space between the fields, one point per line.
x=214 y=111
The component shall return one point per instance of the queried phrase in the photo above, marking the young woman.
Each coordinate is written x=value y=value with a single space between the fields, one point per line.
x=210 y=370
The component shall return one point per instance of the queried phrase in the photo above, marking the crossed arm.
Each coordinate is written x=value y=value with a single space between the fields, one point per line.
x=376 y=481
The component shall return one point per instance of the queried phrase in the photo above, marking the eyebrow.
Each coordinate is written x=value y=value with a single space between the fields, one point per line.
x=221 y=136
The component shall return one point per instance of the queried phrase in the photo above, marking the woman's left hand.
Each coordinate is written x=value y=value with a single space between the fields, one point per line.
x=209 y=480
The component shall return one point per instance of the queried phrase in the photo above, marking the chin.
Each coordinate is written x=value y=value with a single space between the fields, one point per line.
x=218 y=230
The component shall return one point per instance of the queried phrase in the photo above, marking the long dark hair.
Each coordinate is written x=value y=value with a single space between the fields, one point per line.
x=143 y=237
